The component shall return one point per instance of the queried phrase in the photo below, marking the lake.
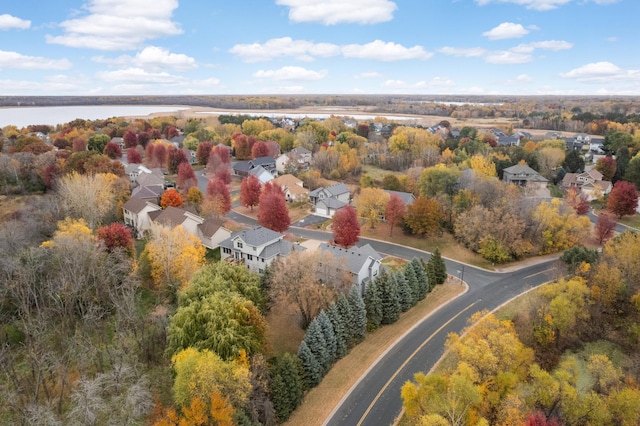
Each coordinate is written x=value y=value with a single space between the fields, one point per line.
x=25 y=116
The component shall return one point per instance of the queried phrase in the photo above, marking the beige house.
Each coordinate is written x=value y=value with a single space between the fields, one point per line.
x=589 y=183
x=292 y=187
x=136 y=215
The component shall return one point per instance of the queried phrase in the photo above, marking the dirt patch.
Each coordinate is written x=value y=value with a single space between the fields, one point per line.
x=321 y=400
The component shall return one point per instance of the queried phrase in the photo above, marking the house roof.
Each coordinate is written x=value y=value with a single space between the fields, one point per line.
x=337 y=189
x=210 y=227
x=300 y=150
x=242 y=166
x=135 y=205
x=149 y=179
x=406 y=197
x=263 y=161
x=282 y=248
x=332 y=203
x=257 y=236
x=523 y=172
x=355 y=257
x=288 y=181
x=171 y=216
x=150 y=191
x=261 y=173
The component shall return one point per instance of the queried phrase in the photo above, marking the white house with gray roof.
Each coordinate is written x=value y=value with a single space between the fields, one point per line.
x=362 y=263
x=256 y=247
x=330 y=199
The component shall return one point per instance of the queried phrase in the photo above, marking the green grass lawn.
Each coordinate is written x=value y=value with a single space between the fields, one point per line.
x=632 y=221
x=376 y=173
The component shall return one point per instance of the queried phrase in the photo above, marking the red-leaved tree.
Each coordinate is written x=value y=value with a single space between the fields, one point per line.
x=218 y=199
x=130 y=139
x=259 y=149
x=171 y=132
x=577 y=200
x=116 y=236
x=272 y=208
x=171 y=197
x=241 y=145
x=79 y=144
x=112 y=150
x=186 y=177
x=133 y=156
x=202 y=153
x=394 y=211
x=175 y=158
x=149 y=156
x=160 y=154
x=623 y=199
x=143 y=139
x=539 y=419
x=604 y=227
x=250 y=190
x=346 y=228
x=154 y=134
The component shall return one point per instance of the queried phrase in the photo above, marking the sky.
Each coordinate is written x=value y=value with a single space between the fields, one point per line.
x=421 y=47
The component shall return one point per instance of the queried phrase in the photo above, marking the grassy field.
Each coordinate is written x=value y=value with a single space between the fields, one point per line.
x=632 y=221
x=321 y=400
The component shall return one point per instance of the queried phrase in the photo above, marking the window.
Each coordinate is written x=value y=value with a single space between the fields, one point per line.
x=262 y=259
x=260 y=271
x=250 y=257
x=226 y=250
x=239 y=244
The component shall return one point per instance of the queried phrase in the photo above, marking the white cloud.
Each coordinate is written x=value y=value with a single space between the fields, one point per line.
x=8 y=22
x=291 y=73
x=152 y=58
x=506 y=30
x=394 y=84
x=23 y=87
x=507 y=57
x=464 y=52
x=384 y=51
x=522 y=79
x=305 y=50
x=440 y=82
x=541 y=5
x=119 y=24
x=138 y=75
x=14 y=60
x=368 y=74
x=602 y=72
x=435 y=82
x=331 y=12
x=284 y=47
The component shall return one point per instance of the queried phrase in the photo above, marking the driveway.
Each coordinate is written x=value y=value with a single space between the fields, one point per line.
x=310 y=220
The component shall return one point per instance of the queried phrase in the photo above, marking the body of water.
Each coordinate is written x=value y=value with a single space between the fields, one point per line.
x=25 y=116
x=271 y=114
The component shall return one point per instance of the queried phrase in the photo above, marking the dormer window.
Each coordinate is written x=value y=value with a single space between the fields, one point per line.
x=239 y=244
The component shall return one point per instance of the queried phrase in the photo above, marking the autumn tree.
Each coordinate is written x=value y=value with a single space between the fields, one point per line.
x=345 y=226
x=559 y=229
x=130 y=139
x=112 y=150
x=272 y=209
x=174 y=255
x=371 y=204
x=259 y=149
x=423 y=216
x=604 y=227
x=217 y=199
x=250 y=190
x=203 y=152
x=623 y=199
x=98 y=142
x=172 y=198
x=133 y=156
x=607 y=166
x=186 y=177
x=394 y=212
x=116 y=236
x=195 y=198
x=577 y=200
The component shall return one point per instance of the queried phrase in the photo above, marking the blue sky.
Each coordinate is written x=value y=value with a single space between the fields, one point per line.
x=155 y=47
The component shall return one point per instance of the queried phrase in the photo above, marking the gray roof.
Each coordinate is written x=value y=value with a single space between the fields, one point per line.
x=262 y=161
x=355 y=257
x=280 y=248
x=257 y=236
x=300 y=150
x=406 y=197
x=135 y=205
x=522 y=172
x=243 y=166
x=149 y=179
x=332 y=203
x=149 y=191
x=337 y=189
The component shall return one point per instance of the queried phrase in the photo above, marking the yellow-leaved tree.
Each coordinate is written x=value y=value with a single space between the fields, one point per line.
x=174 y=255
x=371 y=204
x=559 y=227
x=483 y=166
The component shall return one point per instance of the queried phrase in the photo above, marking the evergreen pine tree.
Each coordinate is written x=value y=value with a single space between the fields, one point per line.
x=412 y=283
x=311 y=370
x=340 y=330
x=359 y=312
x=347 y=318
x=329 y=337
x=404 y=292
x=421 y=275
x=318 y=345
x=388 y=291
x=436 y=269
x=286 y=385
x=373 y=306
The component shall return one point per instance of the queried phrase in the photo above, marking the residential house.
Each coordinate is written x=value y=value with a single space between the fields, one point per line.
x=267 y=162
x=328 y=200
x=362 y=264
x=596 y=145
x=262 y=174
x=589 y=182
x=150 y=179
x=524 y=176
x=244 y=168
x=212 y=232
x=406 y=197
x=241 y=168
x=256 y=248
x=505 y=140
x=136 y=215
x=135 y=170
x=297 y=159
x=292 y=187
